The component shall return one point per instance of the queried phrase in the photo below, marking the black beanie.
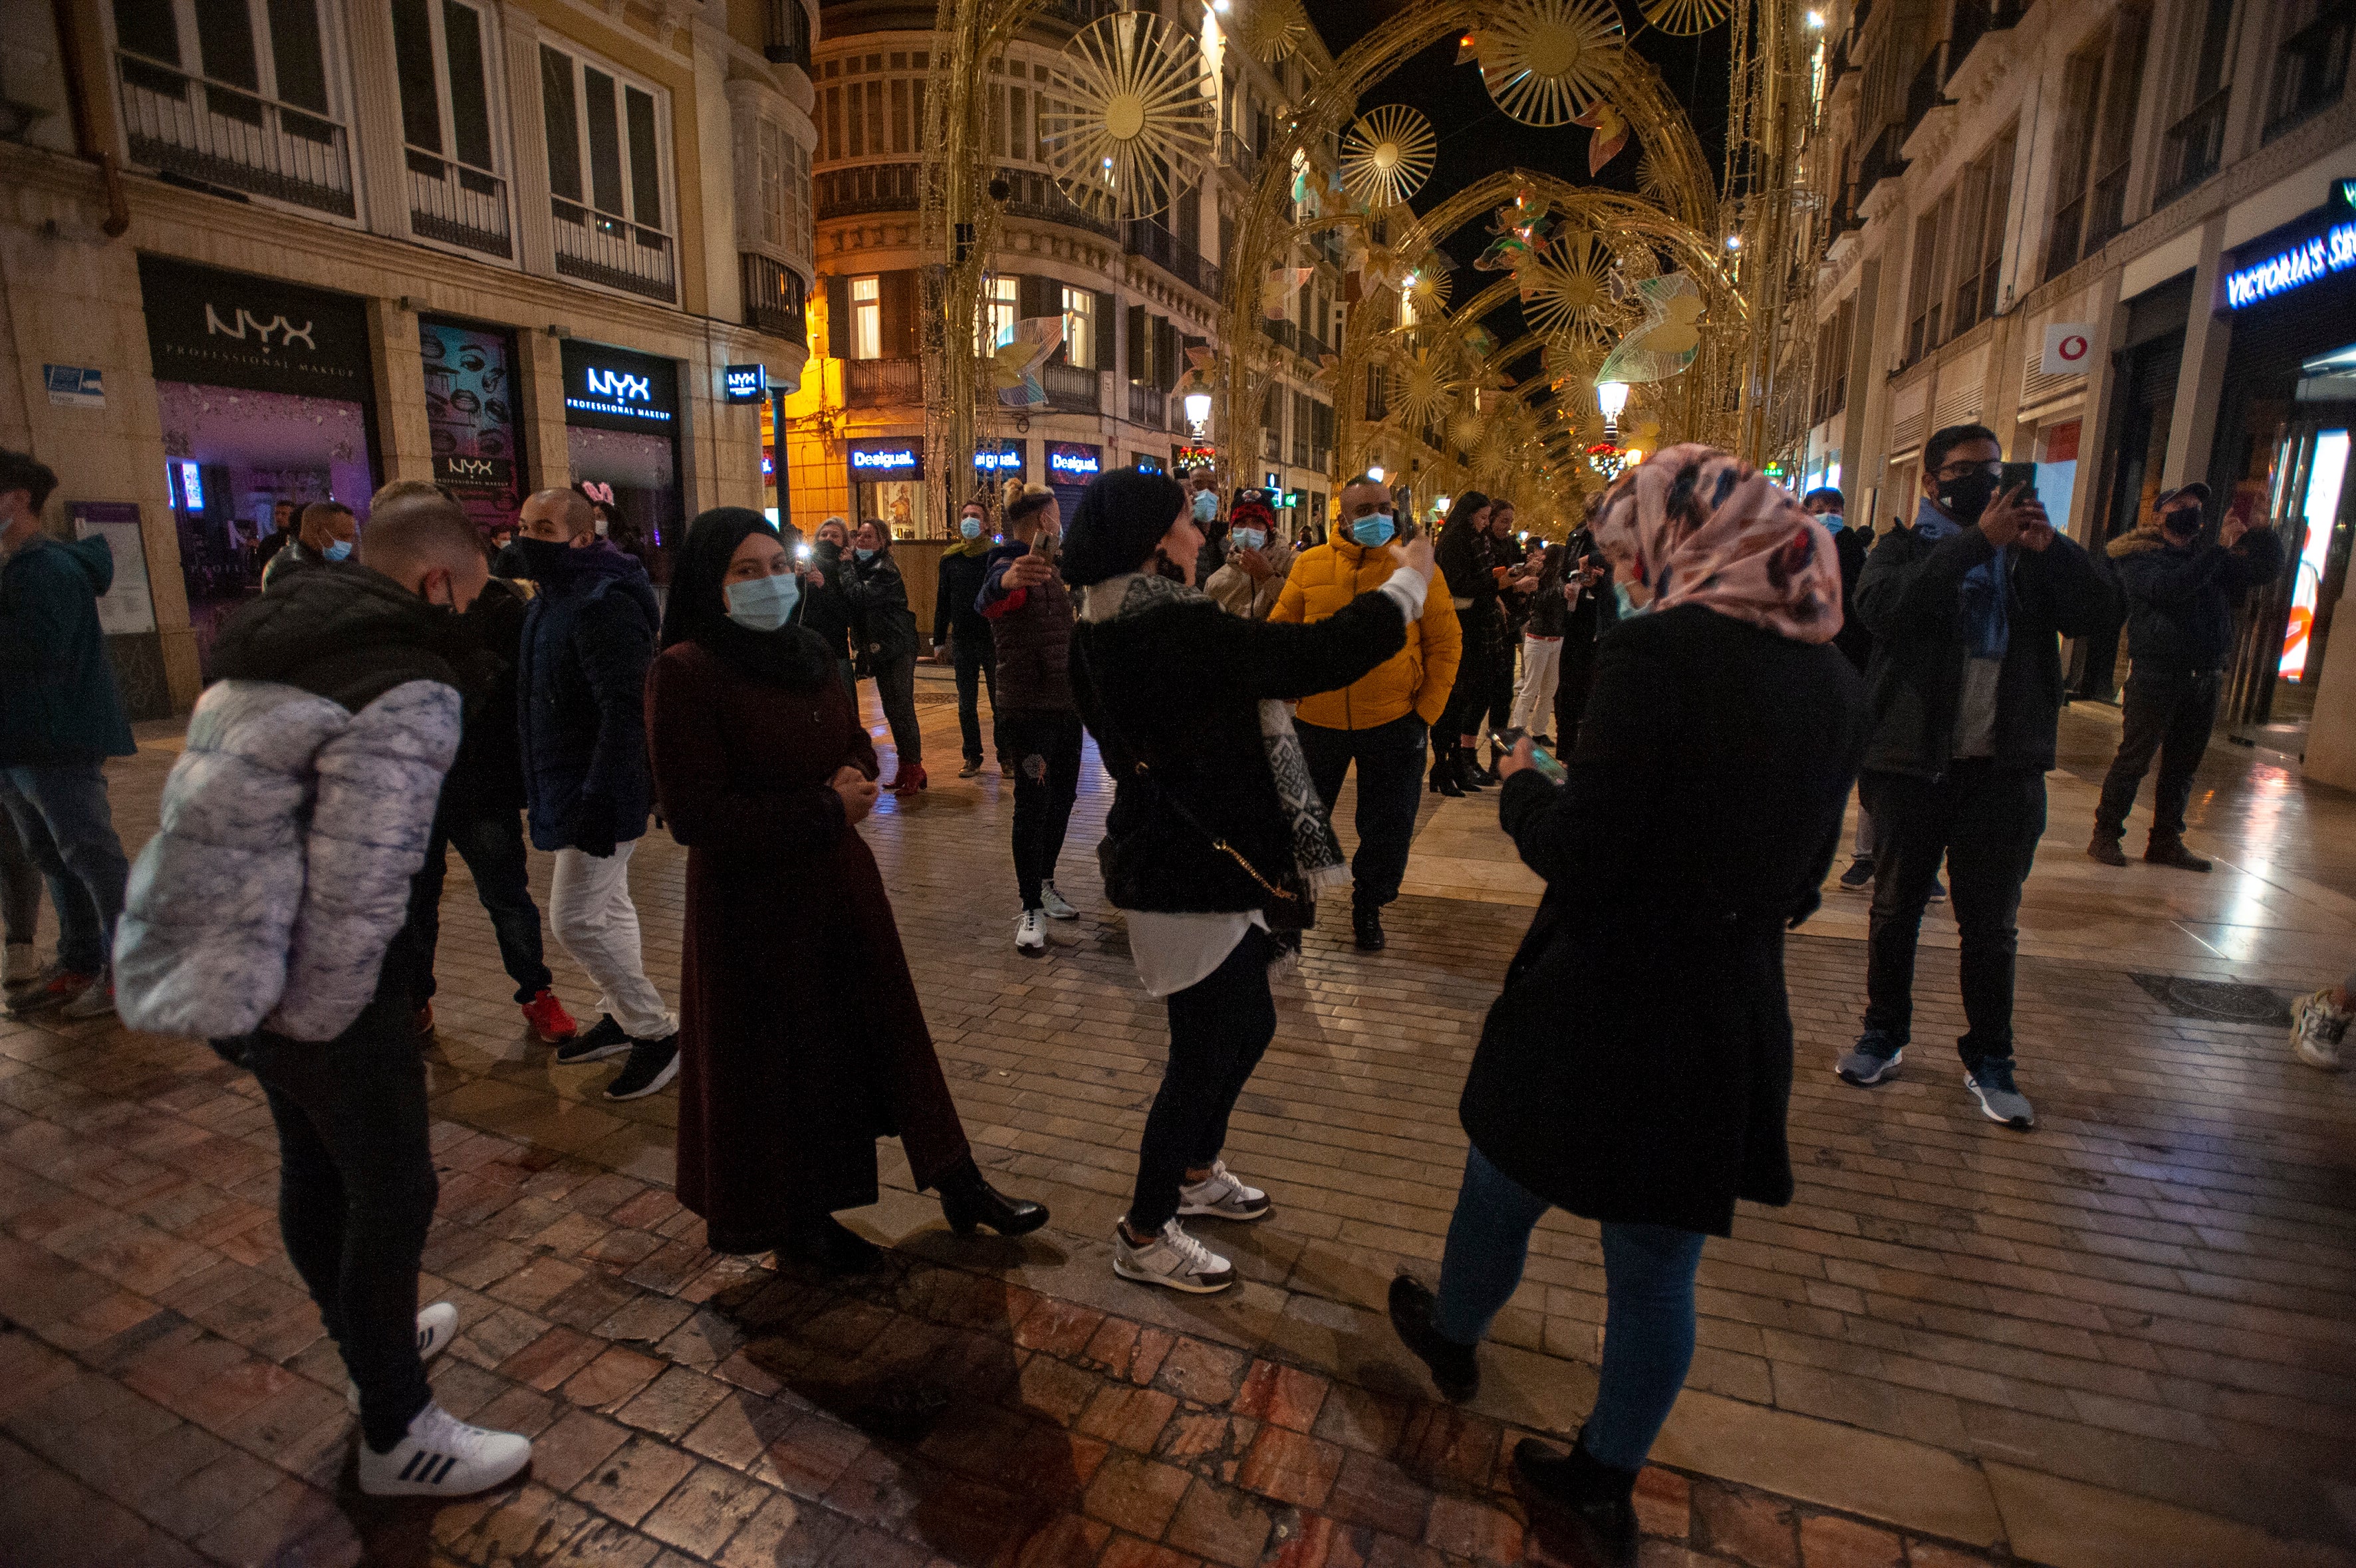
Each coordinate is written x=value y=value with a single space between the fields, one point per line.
x=1121 y=519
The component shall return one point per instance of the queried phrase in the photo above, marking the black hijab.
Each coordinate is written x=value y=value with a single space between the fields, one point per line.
x=792 y=656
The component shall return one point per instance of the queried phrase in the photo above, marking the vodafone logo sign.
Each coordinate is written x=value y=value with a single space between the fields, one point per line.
x=2067 y=344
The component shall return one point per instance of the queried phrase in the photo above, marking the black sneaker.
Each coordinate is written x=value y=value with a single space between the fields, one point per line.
x=604 y=1040
x=1455 y=1369
x=652 y=1064
x=1859 y=875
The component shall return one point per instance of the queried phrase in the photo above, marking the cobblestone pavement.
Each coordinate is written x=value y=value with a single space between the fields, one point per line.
x=2127 y=1338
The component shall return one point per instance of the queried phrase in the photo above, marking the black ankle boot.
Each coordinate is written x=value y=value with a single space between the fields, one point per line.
x=1443 y=773
x=1468 y=770
x=825 y=1243
x=1455 y=1369
x=967 y=1201
x=1580 y=1508
x=1367 y=926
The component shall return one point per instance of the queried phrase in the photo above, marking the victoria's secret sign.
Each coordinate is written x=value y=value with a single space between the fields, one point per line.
x=233 y=330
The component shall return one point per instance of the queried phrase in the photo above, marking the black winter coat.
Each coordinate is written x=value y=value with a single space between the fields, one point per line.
x=1853 y=639
x=827 y=610
x=1172 y=696
x=1907 y=598
x=1031 y=636
x=487 y=778
x=2181 y=598
x=954 y=615
x=1638 y=1065
x=883 y=628
x=588 y=638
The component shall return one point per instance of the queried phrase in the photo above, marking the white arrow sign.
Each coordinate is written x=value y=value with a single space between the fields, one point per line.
x=2067 y=344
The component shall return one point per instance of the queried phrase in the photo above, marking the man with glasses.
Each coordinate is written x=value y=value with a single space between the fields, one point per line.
x=2181 y=596
x=1963 y=690
x=1380 y=720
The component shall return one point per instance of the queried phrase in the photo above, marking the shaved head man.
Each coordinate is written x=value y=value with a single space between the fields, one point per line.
x=426 y=544
x=560 y=516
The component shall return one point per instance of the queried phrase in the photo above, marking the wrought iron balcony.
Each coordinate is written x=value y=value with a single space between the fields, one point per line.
x=457 y=204
x=868 y=188
x=1033 y=193
x=1148 y=406
x=219 y=135
x=599 y=248
x=2195 y=147
x=1283 y=332
x=1146 y=237
x=773 y=297
x=878 y=384
x=1071 y=389
x=1234 y=153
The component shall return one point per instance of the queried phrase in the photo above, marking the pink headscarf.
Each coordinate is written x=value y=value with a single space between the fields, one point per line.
x=1707 y=529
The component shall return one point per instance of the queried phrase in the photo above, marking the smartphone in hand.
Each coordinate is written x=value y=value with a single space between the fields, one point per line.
x=2023 y=475
x=1550 y=768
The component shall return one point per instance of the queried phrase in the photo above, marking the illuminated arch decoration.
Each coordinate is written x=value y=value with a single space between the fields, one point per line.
x=1683 y=18
x=1547 y=63
x=1387 y=154
x=1271 y=29
x=1129 y=119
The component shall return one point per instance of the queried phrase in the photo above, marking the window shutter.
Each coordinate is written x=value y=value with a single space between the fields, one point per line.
x=1166 y=355
x=1142 y=344
x=838 y=318
x=1039 y=297
x=900 y=315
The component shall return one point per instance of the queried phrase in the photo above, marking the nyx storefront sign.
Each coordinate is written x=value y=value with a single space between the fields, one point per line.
x=613 y=388
x=233 y=330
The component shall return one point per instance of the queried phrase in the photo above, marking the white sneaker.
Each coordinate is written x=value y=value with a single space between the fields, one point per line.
x=2317 y=1029
x=1058 y=907
x=1173 y=1259
x=1031 y=931
x=1221 y=1195
x=441 y=1456
x=21 y=966
x=436 y=1327
x=97 y=999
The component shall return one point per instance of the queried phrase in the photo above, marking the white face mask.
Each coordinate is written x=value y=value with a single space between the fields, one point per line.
x=764 y=604
x=1248 y=538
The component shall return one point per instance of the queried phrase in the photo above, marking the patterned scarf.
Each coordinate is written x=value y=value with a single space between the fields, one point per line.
x=1315 y=852
x=1707 y=529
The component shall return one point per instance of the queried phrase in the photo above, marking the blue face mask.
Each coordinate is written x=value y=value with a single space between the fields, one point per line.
x=1206 y=505
x=1629 y=607
x=970 y=527
x=337 y=550
x=1248 y=538
x=864 y=554
x=1375 y=529
x=764 y=604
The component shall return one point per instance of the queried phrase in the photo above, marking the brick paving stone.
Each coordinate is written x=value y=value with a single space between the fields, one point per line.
x=1466 y=1527
x=705 y=1510
x=1135 y=1494
x=1205 y=1374
x=629 y=1482
x=1132 y=1417
x=1374 y=1492
x=1664 y=1502
x=1220 y=1524
x=1750 y=1526
x=1290 y=1466
x=1828 y=1541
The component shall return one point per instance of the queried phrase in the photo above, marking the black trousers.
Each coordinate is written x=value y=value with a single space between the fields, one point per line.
x=1984 y=822
x=1219 y=1028
x=1390 y=787
x=491 y=843
x=356 y=1193
x=2170 y=718
x=895 y=690
x=1571 y=682
x=1045 y=748
x=977 y=663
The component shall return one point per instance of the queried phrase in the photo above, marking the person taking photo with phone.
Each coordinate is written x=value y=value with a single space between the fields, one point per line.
x=1029 y=616
x=1967 y=609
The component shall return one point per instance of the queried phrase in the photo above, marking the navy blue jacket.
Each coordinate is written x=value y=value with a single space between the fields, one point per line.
x=2181 y=598
x=588 y=639
x=57 y=701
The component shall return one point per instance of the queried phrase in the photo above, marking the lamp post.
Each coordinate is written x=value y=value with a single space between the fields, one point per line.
x=1611 y=397
x=1198 y=412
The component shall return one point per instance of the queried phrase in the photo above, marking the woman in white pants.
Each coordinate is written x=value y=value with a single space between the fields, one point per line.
x=1542 y=650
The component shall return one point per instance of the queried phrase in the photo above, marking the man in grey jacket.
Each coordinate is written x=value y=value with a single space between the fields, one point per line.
x=261 y=916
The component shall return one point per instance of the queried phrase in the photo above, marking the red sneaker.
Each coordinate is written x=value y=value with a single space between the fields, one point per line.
x=549 y=1020
x=54 y=987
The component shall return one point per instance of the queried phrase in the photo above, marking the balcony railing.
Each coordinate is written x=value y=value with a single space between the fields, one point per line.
x=218 y=134
x=1071 y=389
x=2106 y=214
x=1309 y=345
x=876 y=383
x=2196 y=147
x=1283 y=332
x=869 y=188
x=457 y=204
x=1147 y=238
x=1882 y=161
x=774 y=298
x=1032 y=193
x=1922 y=92
x=1236 y=154
x=599 y=248
x=2310 y=69
x=1149 y=406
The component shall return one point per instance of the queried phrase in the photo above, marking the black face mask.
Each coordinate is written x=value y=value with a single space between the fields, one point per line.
x=1967 y=497
x=542 y=557
x=2180 y=524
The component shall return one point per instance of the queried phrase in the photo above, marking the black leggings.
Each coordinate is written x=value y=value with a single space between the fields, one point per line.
x=1046 y=750
x=1219 y=1028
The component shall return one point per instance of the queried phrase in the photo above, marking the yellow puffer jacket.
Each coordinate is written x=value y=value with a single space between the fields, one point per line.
x=1418 y=677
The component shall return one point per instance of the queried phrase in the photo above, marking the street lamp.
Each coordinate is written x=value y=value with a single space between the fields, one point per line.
x=1375 y=472
x=1198 y=410
x=1611 y=397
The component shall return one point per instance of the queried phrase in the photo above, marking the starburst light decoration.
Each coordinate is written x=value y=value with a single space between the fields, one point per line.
x=1271 y=29
x=1465 y=430
x=1545 y=61
x=1429 y=286
x=1567 y=295
x=1387 y=154
x=1651 y=178
x=1132 y=119
x=1426 y=389
x=1683 y=18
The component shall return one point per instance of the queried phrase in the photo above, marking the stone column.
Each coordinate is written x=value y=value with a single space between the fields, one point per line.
x=528 y=135
x=2200 y=378
x=541 y=417
x=403 y=439
x=378 y=142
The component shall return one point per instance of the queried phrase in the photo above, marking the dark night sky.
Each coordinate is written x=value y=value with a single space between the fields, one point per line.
x=1477 y=138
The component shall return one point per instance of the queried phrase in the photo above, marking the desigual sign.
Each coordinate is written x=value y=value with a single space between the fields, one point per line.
x=1069 y=460
x=234 y=329
x=888 y=457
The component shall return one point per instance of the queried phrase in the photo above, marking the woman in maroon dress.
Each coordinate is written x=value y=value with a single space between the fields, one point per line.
x=763 y=770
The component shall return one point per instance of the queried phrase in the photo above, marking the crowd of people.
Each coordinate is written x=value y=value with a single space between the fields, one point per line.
x=1677 y=700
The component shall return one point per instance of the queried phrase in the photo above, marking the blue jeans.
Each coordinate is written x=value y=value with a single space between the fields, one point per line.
x=1648 y=1287
x=1390 y=787
x=61 y=814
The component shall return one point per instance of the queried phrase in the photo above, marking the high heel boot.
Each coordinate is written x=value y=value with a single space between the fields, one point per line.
x=1443 y=773
x=1468 y=771
x=968 y=1200
x=1580 y=1509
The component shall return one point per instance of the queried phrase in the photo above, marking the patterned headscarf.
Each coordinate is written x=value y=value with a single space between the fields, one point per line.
x=1707 y=529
